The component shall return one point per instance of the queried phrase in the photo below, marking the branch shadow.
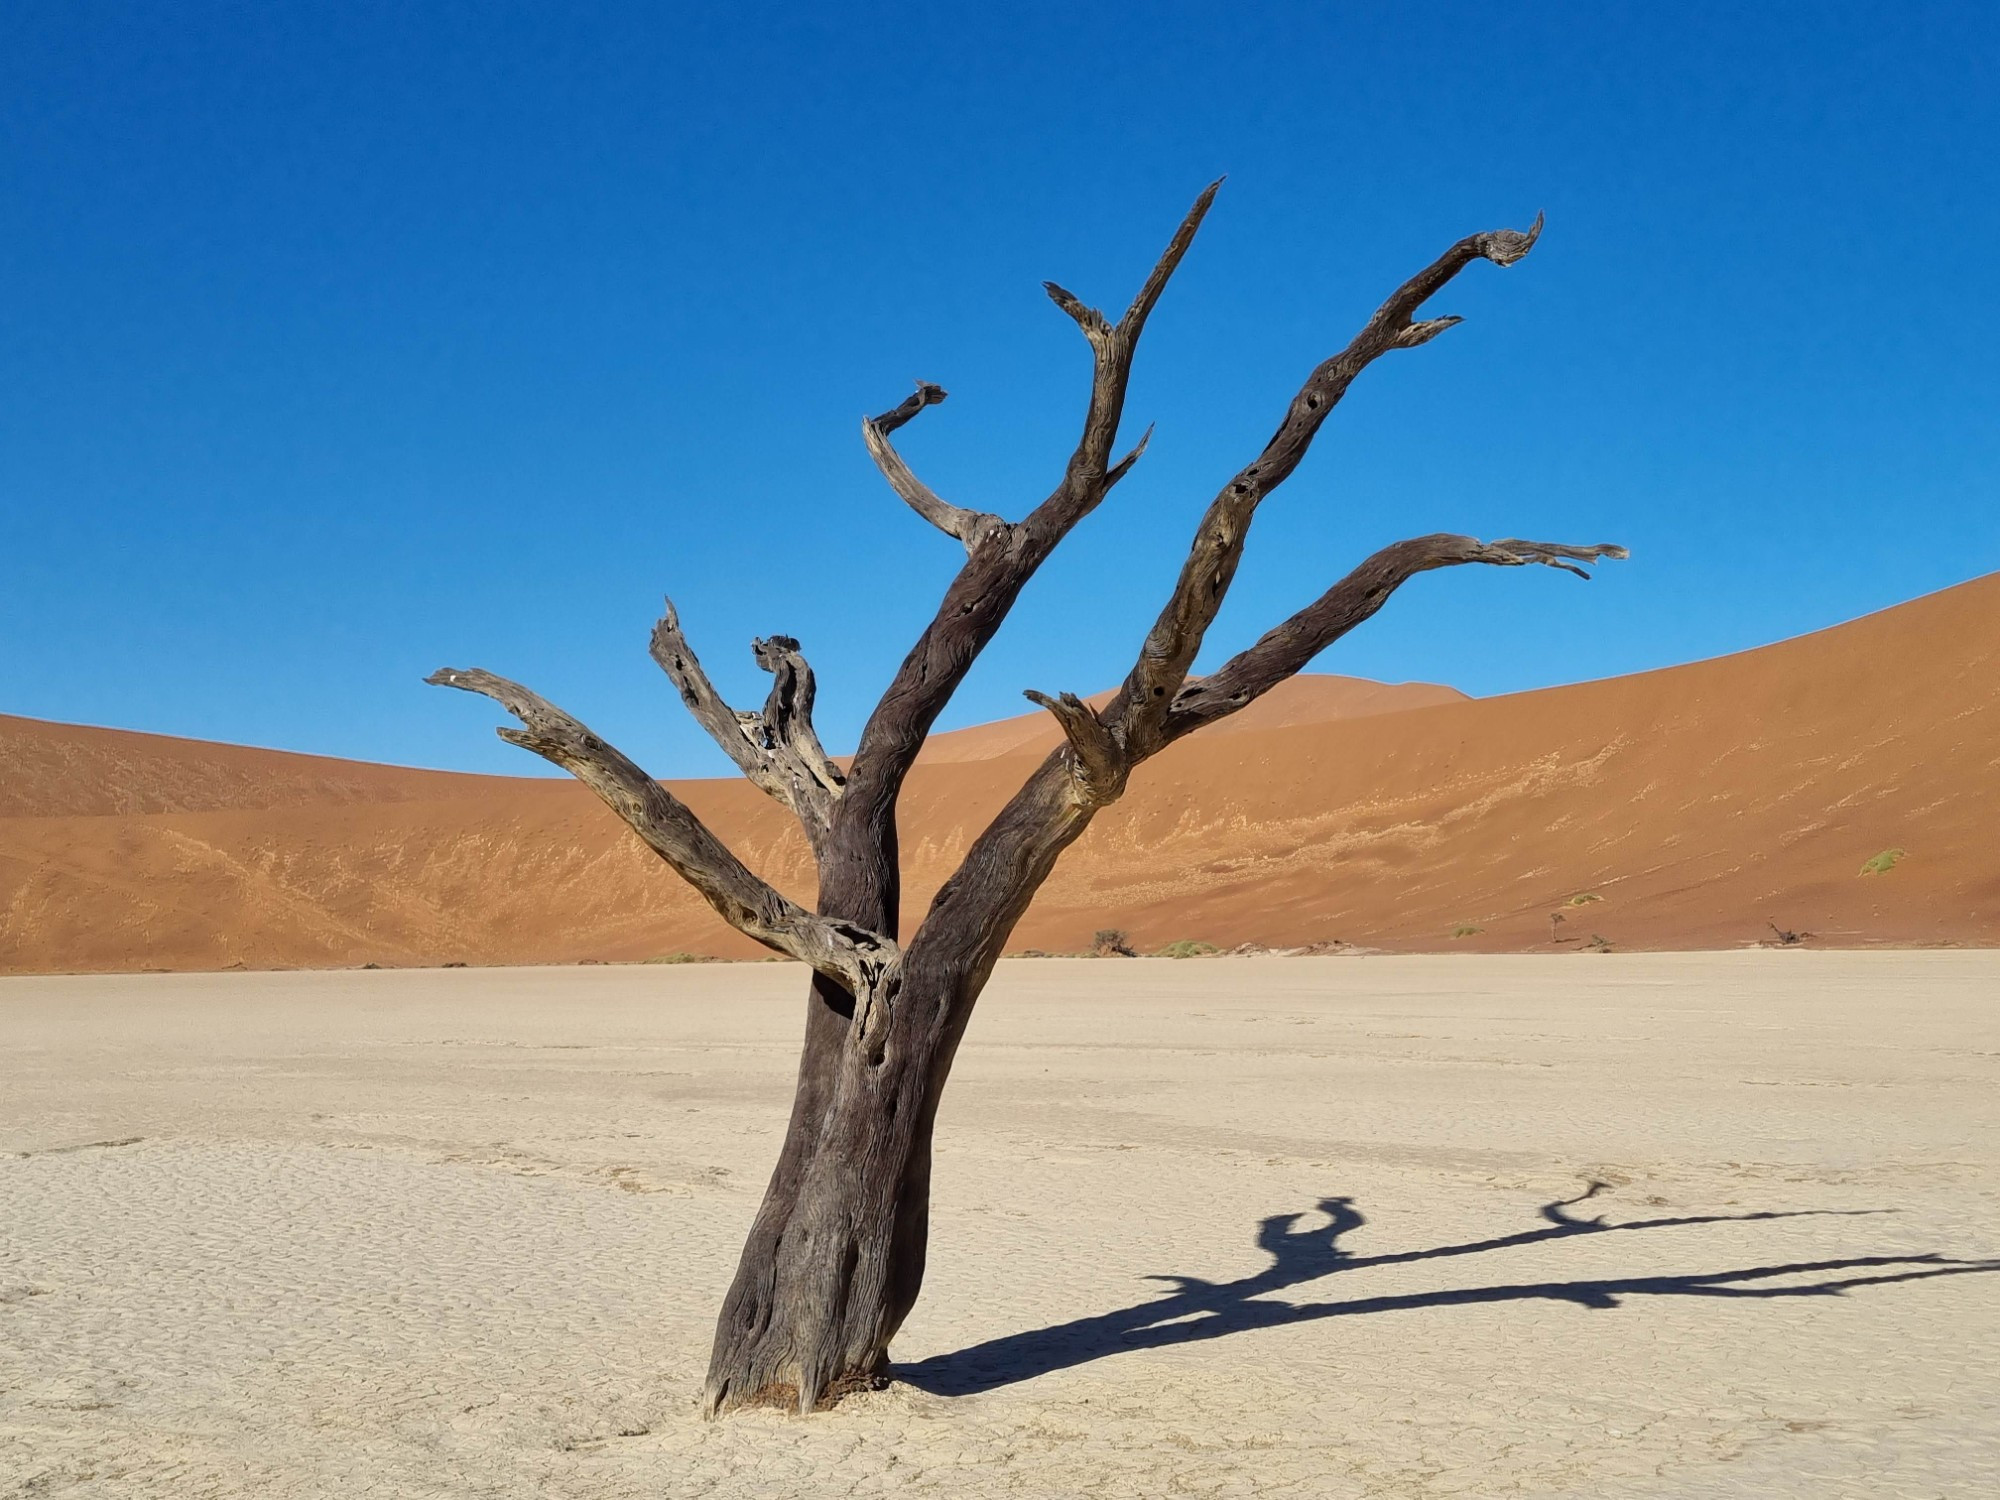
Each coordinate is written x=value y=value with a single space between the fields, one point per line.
x=1196 y=1309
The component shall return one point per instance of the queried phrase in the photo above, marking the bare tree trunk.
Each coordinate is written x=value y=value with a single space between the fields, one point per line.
x=827 y=1274
x=835 y=1258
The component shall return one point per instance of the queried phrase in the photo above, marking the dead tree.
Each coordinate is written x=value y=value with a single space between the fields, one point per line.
x=836 y=1254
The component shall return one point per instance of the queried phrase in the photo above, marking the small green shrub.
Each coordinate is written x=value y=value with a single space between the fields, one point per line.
x=1464 y=930
x=1583 y=898
x=1188 y=948
x=1882 y=863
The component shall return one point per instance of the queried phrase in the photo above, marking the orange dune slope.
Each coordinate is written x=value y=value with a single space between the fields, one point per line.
x=57 y=770
x=1692 y=807
x=1312 y=698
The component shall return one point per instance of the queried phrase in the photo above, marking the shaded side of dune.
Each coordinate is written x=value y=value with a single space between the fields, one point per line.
x=1700 y=806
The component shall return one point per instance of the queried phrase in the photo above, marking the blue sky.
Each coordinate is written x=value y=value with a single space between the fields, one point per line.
x=343 y=342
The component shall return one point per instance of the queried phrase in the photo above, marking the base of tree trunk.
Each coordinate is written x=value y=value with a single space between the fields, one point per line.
x=836 y=1257
x=786 y=1397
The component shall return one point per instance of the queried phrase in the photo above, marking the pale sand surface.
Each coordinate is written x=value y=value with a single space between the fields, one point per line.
x=464 y=1233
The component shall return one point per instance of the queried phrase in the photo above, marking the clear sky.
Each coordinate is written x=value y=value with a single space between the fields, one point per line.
x=342 y=342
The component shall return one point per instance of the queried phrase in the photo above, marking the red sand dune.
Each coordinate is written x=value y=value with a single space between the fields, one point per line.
x=57 y=770
x=1313 y=698
x=1699 y=804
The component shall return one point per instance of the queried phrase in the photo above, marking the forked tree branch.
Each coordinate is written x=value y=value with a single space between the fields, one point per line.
x=1087 y=479
x=985 y=589
x=778 y=750
x=1098 y=763
x=843 y=952
x=1286 y=649
x=1175 y=639
x=787 y=722
x=1008 y=862
x=1157 y=704
x=969 y=526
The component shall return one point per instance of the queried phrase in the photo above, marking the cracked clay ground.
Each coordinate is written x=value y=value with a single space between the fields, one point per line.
x=1585 y=1226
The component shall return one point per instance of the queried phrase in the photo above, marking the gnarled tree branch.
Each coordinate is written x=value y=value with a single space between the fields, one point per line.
x=787 y=724
x=850 y=955
x=986 y=588
x=1176 y=637
x=1124 y=465
x=1098 y=764
x=724 y=724
x=1008 y=862
x=1286 y=649
x=1086 y=480
x=777 y=750
x=969 y=526
x=1010 y=859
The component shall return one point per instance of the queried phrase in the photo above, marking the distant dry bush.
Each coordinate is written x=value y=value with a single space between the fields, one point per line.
x=1111 y=942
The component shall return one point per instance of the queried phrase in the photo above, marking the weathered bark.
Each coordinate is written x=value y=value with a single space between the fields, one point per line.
x=849 y=954
x=778 y=750
x=835 y=1258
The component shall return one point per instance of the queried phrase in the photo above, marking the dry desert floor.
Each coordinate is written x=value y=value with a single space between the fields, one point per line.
x=1595 y=1226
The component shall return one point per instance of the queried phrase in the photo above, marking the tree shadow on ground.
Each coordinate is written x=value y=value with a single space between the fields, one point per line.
x=1196 y=1309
